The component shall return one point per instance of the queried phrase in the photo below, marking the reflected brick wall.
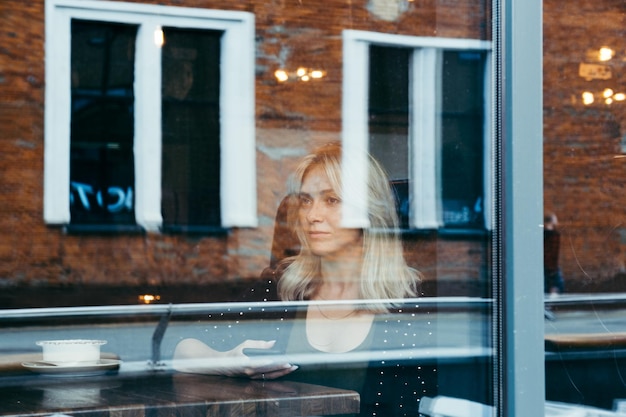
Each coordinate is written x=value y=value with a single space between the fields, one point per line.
x=291 y=119
x=584 y=145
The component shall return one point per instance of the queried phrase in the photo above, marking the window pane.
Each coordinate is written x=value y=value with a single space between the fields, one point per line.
x=191 y=131
x=102 y=168
x=460 y=177
x=462 y=121
x=392 y=317
x=389 y=119
x=584 y=162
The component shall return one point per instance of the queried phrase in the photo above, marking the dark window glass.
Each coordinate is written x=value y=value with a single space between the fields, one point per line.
x=389 y=119
x=462 y=138
x=102 y=168
x=191 y=130
x=462 y=120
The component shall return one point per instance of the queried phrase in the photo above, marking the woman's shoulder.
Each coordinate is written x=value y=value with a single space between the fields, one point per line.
x=265 y=288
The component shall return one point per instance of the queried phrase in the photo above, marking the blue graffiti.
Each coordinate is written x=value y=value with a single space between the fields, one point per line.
x=117 y=198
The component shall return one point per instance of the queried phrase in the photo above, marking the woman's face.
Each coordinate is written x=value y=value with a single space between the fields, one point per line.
x=320 y=218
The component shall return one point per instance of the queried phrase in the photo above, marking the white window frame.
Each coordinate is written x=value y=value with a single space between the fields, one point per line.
x=237 y=118
x=425 y=130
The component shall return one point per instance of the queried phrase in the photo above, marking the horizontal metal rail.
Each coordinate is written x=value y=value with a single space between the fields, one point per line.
x=157 y=310
x=581 y=300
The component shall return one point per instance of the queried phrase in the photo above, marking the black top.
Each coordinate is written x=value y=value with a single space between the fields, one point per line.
x=384 y=369
x=551 y=246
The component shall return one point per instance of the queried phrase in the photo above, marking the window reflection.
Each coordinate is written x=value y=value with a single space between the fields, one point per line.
x=191 y=128
x=584 y=143
x=226 y=113
x=454 y=116
x=584 y=171
x=102 y=167
x=462 y=137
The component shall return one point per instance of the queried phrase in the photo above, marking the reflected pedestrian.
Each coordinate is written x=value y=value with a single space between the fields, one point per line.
x=553 y=278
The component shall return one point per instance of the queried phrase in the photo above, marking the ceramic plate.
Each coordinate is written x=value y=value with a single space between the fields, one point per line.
x=95 y=368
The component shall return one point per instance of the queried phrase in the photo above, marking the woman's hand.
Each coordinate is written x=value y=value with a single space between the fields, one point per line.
x=193 y=356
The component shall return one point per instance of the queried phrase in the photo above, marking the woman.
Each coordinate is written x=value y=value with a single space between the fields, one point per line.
x=342 y=264
x=337 y=268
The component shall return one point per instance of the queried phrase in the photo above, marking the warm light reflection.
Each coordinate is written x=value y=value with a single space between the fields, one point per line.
x=300 y=74
x=148 y=298
x=281 y=75
x=159 y=38
x=607 y=95
x=605 y=53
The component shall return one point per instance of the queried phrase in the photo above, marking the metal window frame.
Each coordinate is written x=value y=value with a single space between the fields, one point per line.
x=517 y=28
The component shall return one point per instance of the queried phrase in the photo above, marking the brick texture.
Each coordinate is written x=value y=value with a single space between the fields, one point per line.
x=584 y=168
x=584 y=180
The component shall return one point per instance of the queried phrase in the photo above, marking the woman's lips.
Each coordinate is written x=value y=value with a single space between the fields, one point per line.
x=317 y=234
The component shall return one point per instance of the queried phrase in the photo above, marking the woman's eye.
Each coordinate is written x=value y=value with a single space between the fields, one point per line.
x=333 y=200
x=305 y=201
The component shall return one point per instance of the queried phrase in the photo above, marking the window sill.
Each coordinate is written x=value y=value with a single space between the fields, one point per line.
x=215 y=231
x=448 y=233
x=103 y=229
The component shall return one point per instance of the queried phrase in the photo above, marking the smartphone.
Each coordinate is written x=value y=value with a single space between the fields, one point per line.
x=261 y=352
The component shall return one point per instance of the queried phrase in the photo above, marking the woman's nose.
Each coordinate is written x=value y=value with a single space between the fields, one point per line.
x=315 y=213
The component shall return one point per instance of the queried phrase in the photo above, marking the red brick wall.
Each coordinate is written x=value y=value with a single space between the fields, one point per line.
x=584 y=172
x=291 y=119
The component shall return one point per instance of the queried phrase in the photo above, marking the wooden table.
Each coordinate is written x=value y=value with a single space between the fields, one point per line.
x=585 y=341
x=162 y=394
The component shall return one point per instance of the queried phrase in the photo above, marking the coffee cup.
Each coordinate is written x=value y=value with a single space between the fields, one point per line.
x=71 y=350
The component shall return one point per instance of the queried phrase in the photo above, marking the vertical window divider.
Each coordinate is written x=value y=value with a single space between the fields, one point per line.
x=488 y=146
x=355 y=130
x=58 y=107
x=520 y=301
x=237 y=137
x=147 y=145
x=425 y=145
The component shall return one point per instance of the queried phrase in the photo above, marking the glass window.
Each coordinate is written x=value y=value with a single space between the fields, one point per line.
x=192 y=168
x=584 y=157
x=389 y=118
x=191 y=128
x=462 y=138
x=460 y=104
x=427 y=123
x=201 y=118
x=102 y=130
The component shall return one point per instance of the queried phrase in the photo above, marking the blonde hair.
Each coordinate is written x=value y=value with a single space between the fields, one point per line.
x=384 y=272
